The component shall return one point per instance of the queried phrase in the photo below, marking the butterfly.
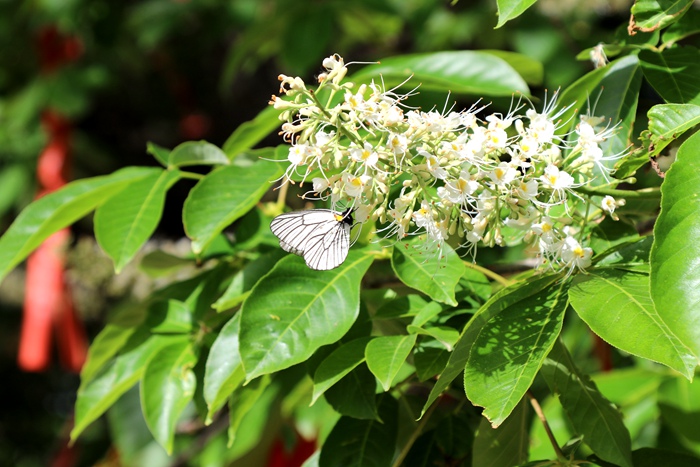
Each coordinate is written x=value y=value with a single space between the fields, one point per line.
x=320 y=236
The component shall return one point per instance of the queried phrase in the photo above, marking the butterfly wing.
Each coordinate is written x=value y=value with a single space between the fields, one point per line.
x=316 y=235
x=329 y=250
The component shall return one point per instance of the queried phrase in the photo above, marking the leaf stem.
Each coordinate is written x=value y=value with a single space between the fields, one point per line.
x=645 y=193
x=489 y=273
x=191 y=175
x=414 y=436
x=543 y=419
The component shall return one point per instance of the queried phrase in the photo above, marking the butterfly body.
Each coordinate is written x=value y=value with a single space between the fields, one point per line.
x=320 y=236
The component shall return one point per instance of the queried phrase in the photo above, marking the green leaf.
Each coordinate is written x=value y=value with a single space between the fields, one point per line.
x=462 y=72
x=250 y=133
x=674 y=265
x=244 y=400
x=246 y=278
x=386 y=355
x=58 y=210
x=507 y=298
x=160 y=154
x=223 y=196
x=169 y=316
x=401 y=307
x=354 y=394
x=530 y=69
x=196 y=153
x=436 y=275
x=688 y=25
x=618 y=84
x=679 y=401
x=649 y=15
x=224 y=372
x=590 y=413
x=338 y=364
x=666 y=123
x=506 y=445
x=128 y=219
x=510 y=347
x=617 y=306
x=430 y=358
x=509 y=9
x=673 y=73
x=168 y=386
x=653 y=457
x=446 y=335
x=294 y=310
x=611 y=233
x=98 y=393
x=355 y=442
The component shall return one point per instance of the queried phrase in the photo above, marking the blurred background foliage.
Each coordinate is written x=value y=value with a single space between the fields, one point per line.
x=167 y=71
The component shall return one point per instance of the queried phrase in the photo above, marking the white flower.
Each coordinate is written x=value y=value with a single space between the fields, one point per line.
x=424 y=216
x=503 y=174
x=320 y=184
x=459 y=191
x=527 y=190
x=298 y=153
x=574 y=255
x=365 y=155
x=545 y=229
x=354 y=186
x=433 y=164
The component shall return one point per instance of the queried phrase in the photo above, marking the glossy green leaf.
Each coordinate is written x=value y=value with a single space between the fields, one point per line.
x=196 y=153
x=243 y=401
x=649 y=15
x=510 y=347
x=354 y=395
x=688 y=25
x=424 y=270
x=169 y=316
x=446 y=335
x=60 y=209
x=427 y=313
x=610 y=233
x=224 y=372
x=294 y=310
x=386 y=355
x=223 y=196
x=531 y=70
x=430 y=358
x=159 y=153
x=505 y=299
x=250 y=133
x=617 y=306
x=123 y=324
x=618 y=85
x=128 y=219
x=476 y=283
x=367 y=443
x=590 y=413
x=679 y=401
x=673 y=73
x=96 y=395
x=339 y=363
x=509 y=9
x=674 y=266
x=401 y=307
x=246 y=278
x=461 y=72
x=506 y=445
x=666 y=123
x=652 y=457
x=167 y=387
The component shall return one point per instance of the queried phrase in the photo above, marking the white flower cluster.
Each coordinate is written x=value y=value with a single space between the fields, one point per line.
x=496 y=181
